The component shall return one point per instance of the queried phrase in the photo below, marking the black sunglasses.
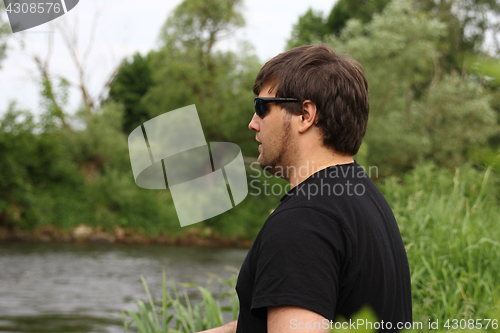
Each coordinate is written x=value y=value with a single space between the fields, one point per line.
x=260 y=103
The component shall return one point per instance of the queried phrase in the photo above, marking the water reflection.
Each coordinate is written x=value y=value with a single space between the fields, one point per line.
x=83 y=287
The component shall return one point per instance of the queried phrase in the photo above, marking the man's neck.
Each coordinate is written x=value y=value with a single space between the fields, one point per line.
x=304 y=167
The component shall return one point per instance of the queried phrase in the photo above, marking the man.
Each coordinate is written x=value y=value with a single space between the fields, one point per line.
x=332 y=245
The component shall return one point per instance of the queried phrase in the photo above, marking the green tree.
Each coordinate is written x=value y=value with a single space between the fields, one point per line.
x=190 y=69
x=38 y=180
x=310 y=28
x=129 y=86
x=457 y=117
x=415 y=113
x=344 y=10
x=467 y=24
x=398 y=51
x=313 y=27
x=4 y=32
x=487 y=69
x=196 y=25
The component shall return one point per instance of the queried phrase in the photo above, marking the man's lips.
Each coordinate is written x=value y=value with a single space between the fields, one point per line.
x=260 y=146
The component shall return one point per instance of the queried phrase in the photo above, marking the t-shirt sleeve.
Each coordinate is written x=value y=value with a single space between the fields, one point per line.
x=301 y=255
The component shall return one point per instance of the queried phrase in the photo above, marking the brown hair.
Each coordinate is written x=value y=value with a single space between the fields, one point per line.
x=335 y=83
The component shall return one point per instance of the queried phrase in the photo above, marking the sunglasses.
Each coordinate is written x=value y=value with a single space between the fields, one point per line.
x=260 y=103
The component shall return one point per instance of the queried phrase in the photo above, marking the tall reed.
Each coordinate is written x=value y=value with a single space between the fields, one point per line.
x=177 y=313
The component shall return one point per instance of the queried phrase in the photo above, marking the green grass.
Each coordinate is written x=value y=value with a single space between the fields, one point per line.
x=177 y=313
x=449 y=225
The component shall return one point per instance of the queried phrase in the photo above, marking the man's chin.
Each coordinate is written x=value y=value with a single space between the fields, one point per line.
x=264 y=165
x=260 y=160
x=271 y=168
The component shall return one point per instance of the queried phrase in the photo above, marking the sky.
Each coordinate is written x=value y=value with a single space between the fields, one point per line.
x=125 y=27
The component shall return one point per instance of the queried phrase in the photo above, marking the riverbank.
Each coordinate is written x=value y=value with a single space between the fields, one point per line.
x=83 y=288
x=199 y=237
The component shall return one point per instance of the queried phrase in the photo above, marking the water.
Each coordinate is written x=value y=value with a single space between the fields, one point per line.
x=84 y=287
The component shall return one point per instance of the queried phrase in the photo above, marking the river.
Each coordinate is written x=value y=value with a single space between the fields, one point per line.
x=84 y=287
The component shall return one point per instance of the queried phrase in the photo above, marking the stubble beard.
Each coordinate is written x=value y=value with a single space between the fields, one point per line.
x=278 y=157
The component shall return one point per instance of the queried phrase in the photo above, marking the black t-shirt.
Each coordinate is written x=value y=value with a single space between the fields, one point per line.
x=331 y=246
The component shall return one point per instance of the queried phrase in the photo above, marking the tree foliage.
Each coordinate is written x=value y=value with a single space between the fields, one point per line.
x=398 y=51
x=467 y=23
x=416 y=113
x=96 y=186
x=313 y=27
x=32 y=164
x=456 y=117
x=345 y=10
x=196 y=25
x=190 y=69
x=4 y=31
x=129 y=86
x=310 y=28
x=67 y=169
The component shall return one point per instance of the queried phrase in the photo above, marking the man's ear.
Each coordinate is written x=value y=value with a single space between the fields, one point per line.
x=308 y=117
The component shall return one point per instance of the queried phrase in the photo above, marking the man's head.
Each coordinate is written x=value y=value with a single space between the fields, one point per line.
x=332 y=95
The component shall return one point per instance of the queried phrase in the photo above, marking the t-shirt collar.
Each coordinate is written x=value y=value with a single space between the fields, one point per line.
x=318 y=174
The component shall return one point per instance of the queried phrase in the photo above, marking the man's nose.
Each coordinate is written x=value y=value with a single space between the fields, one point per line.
x=254 y=123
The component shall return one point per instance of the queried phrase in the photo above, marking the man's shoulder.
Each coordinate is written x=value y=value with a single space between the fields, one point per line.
x=291 y=215
x=332 y=184
x=291 y=223
x=344 y=192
